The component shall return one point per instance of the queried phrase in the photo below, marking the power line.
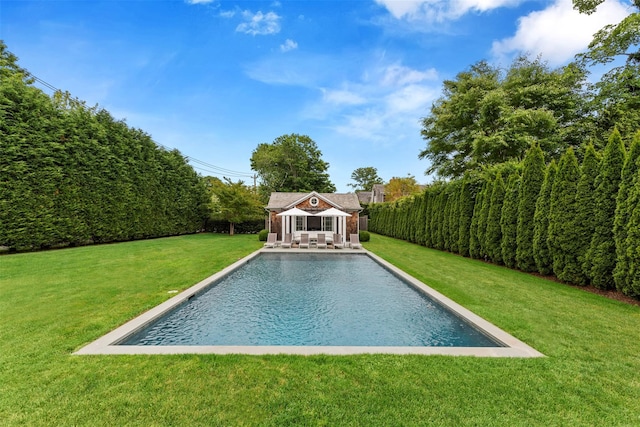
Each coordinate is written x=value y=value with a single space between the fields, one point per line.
x=215 y=170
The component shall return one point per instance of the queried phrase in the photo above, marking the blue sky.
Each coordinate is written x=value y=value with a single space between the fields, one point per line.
x=216 y=78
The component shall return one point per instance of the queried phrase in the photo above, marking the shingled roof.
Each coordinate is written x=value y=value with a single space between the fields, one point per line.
x=344 y=201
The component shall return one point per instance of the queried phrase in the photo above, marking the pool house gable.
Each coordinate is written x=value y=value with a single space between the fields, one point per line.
x=313 y=202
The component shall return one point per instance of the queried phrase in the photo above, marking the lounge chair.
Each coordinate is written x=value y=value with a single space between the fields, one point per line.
x=337 y=241
x=286 y=243
x=271 y=240
x=304 y=241
x=322 y=241
x=354 y=242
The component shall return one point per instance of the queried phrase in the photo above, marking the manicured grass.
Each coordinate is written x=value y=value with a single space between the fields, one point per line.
x=52 y=303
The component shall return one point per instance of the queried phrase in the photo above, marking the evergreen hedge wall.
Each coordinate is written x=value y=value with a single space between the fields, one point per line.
x=579 y=220
x=72 y=175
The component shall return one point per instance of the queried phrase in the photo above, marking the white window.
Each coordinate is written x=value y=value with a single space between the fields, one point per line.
x=300 y=223
x=328 y=223
x=313 y=201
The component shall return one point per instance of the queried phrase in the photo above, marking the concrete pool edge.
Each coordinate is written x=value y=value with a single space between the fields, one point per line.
x=107 y=344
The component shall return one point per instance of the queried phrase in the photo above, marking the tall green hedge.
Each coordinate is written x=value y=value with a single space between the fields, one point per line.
x=559 y=216
x=71 y=174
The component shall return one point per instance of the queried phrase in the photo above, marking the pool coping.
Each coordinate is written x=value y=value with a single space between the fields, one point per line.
x=107 y=344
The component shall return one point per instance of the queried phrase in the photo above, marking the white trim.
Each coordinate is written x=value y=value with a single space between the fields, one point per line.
x=313 y=194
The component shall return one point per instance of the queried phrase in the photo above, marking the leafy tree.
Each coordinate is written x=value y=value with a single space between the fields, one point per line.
x=541 y=251
x=453 y=122
x=485 y=117
x=365 y=178
x=401 y=187
x=493 y=237
x=563 y=233
x=624 y=210
x=509 y=221
x=615 y=39
x=616 y=102
x=601 y=257
x=291 y=163
x=585 y=215
x=233 y=202
x=532 y=179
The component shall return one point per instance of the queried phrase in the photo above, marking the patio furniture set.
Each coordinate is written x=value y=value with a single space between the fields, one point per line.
x=312 y=240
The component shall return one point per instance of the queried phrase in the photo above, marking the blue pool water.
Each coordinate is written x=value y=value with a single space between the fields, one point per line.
x=311 y=300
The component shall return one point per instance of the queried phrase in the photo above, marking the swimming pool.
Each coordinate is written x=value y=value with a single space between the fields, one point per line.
x=311 y=299
x=310 y=303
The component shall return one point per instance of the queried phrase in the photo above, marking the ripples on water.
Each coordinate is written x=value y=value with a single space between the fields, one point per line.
x=311 y=300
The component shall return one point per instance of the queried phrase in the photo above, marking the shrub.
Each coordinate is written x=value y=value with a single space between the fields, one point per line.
x=262 y=235
x=364 y=236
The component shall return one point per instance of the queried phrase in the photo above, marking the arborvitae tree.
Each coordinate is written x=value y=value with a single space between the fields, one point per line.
x=493 y=237
x=563 y=235
x=623 y=215
x=438 y=218
x=446 y=218
x=474 y=242
x=632 y=242
x=428 y=215
x=509 y=221
x=585 y=214
x=454 y=216
x=483 y=219
x=466 y=203
x=420 y=218
x=601 y=257
x=532 y=179
x=541 y=253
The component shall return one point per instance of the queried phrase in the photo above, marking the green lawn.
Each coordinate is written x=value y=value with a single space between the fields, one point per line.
x=52 y=303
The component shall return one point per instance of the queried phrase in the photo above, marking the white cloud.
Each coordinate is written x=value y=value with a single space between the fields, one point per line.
x=199 y=1
x=400 y=75
x=411 y=98
x=384 y=107
x=342 y=97
x=288 y=45
x=558 y=32
x=440 y=10
x=228 y=13
x=259 y=23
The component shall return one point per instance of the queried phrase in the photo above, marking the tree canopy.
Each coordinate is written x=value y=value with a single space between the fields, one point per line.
x=487 y=116
x=233 y=202
x=401 y=187
x=291 y=163
x=365 y=178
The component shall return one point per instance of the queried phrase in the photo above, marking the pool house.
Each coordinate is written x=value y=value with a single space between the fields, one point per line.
x=313 y=213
